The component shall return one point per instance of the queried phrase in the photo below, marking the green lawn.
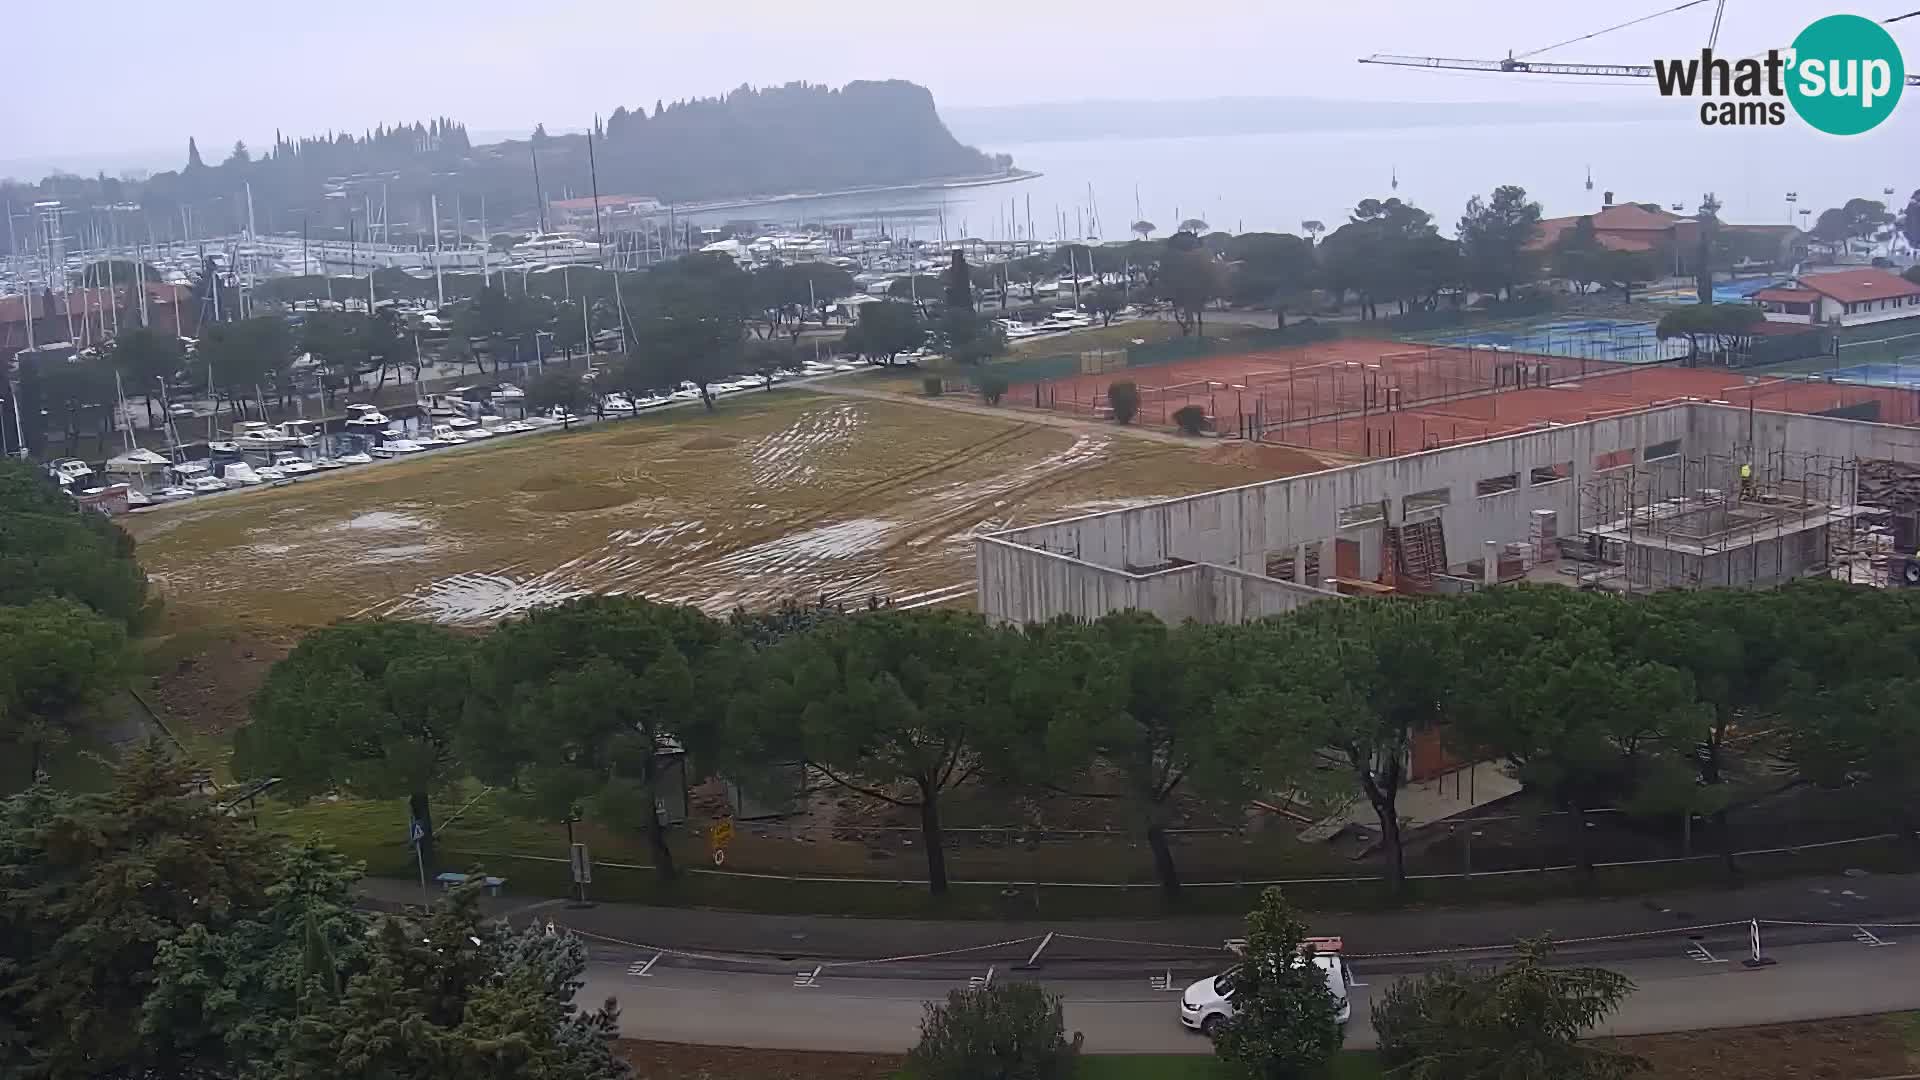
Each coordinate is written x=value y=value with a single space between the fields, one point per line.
x=1348 y=1066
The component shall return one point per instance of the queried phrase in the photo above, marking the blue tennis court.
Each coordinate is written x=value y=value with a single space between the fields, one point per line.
x=1618 y=341
x=1900 y=374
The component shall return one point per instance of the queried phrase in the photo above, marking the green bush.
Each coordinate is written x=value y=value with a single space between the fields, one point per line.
x=1525 y=1019
x=1013 y=1031
x=932 y=386
x=993 y=387
x=1124 y=399
x=1191 y=418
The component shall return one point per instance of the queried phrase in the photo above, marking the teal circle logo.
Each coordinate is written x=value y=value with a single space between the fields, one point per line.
x=1847 y=74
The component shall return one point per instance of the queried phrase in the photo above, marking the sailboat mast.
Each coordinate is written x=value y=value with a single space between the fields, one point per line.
x=540 y=199
x=593 y=171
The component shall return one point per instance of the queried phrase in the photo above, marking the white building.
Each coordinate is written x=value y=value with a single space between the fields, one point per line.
x=1841 y=298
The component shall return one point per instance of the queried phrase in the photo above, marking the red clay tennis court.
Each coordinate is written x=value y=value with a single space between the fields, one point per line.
x=1406 y=431
x=1378 y=398
x=1261 y=391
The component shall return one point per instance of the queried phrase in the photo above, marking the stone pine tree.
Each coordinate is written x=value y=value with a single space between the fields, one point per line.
x=370 y=707
x=577 y=704
x=891 y=705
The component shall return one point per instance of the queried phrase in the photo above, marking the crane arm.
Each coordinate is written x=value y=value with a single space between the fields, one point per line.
x=1530 y=67
x=1534 y=67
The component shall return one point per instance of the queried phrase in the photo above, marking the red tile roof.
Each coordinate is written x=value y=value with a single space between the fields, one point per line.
x=1642 y=225
x=1855 y=286
x=45 y=306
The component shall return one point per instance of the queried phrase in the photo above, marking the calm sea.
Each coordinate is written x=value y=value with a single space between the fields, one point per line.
x=1274 y=181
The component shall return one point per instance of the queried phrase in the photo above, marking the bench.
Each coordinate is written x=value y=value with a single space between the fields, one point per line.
x=450 y=880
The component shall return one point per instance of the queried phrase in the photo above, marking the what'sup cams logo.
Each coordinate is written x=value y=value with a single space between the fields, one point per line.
x=1843 y=76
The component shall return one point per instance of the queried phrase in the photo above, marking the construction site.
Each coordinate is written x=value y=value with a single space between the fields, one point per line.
x=1690 y=494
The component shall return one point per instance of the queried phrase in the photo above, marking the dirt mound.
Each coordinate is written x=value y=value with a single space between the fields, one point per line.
x=1272 y=460
x=711 y=442
x=582 y=497
x=547 y=482
x=199 y=672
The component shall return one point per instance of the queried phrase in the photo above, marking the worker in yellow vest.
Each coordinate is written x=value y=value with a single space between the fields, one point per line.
x=1746 y=480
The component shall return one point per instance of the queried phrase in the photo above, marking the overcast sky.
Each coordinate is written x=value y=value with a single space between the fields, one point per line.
x=135 y=77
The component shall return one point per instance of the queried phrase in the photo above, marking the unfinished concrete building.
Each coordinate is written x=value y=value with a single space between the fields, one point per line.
x=1686 y=495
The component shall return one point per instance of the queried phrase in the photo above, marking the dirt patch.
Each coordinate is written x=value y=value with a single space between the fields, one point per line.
x=635 y=438
x=1846 y=1049
x=1265 y=458
x=546 y=482
x=582 y=497
x=199 y=671
x=803 y=496
x=678 y=1061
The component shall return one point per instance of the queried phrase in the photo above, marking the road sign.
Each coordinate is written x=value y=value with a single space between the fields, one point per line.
x=720 y=833
x=582 y=865
x=719 y=856
x=416 y=832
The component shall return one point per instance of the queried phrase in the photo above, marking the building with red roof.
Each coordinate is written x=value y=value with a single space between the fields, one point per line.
x=1674 y=239
x=1841 y=298
x=77 y=314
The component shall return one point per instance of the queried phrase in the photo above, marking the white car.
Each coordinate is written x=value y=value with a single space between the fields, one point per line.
x=1207 y=1004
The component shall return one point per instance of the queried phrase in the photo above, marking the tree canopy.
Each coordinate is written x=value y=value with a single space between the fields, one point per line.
x=145 y=931
x=895 y=706
x=369 y=707
x=575 y=705
x=1493 y=235
x=1522 y=1019
x=884 y=330
x=1285 y=1022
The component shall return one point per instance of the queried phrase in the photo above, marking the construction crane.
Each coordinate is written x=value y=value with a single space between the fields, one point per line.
x=1522 y=65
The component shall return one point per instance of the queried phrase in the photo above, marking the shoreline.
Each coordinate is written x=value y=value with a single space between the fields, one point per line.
x=942 y=184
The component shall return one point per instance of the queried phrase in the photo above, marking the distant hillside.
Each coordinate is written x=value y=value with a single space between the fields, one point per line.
x=793 y=138
x=798 y=138
x=1070 y=120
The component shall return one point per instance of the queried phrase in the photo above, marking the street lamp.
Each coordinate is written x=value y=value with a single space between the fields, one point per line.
x=1792 y=197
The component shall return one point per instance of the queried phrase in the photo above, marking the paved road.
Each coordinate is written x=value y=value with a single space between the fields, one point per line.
x=1632 y=927
x=1675 y=993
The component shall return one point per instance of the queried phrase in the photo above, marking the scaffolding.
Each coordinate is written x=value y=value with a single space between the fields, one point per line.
x=1746 y=519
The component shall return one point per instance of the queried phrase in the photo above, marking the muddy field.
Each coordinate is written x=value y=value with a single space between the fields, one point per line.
x=790 y=495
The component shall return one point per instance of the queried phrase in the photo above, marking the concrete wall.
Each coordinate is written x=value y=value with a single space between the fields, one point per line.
x=1135 y=558
x=1239 y=528
x=1763 y=563
x=1023 y=585
x=1731 y=430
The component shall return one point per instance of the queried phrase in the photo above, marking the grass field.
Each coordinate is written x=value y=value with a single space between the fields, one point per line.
x=1852 y=1048
x=777 y=496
